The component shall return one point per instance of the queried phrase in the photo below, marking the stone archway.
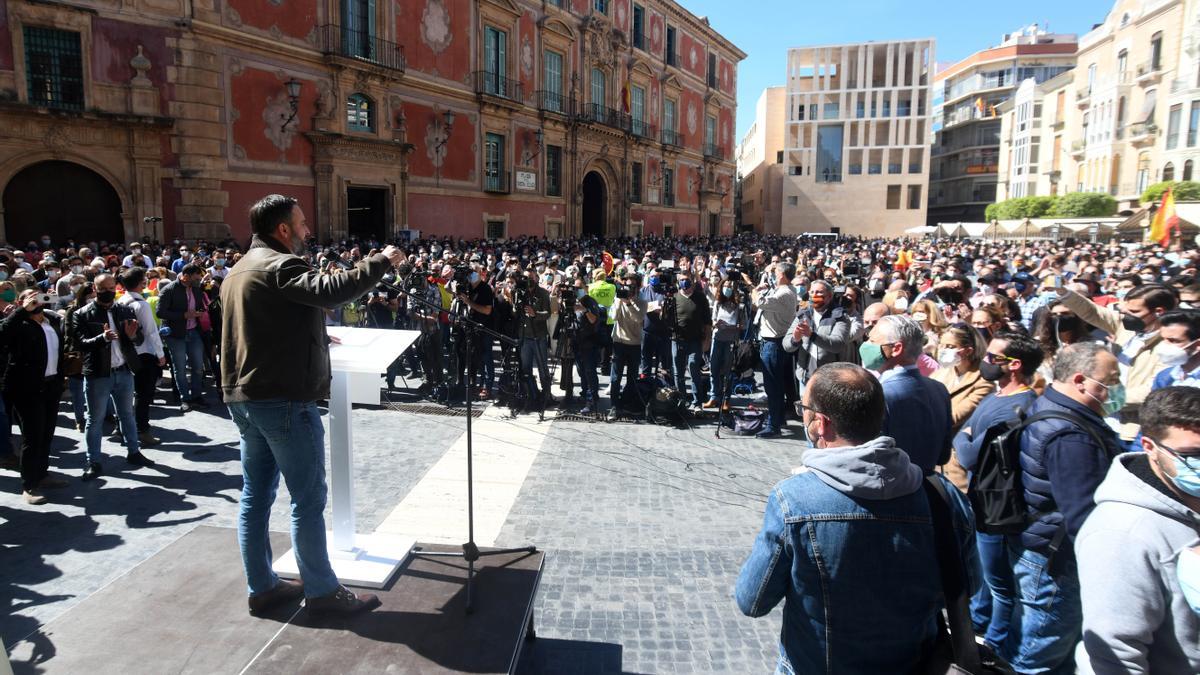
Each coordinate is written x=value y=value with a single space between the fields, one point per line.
x=599 y=196
x=595 y=205
x=65 y=199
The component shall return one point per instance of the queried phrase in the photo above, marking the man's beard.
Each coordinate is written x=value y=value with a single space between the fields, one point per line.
x=297 y=244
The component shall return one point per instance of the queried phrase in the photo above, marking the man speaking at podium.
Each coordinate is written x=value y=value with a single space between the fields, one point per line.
x=274 y=368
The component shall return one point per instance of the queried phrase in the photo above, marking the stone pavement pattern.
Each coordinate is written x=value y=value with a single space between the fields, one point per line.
x=644 y=526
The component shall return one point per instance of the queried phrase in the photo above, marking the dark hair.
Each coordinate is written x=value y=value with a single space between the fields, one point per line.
x=1156 y=296
x=849 y=396
x=190 y=269
x=1170 y=407
x=133 y=277
x=1132 y=278
x=788 y=270
x=1183 y=317
x=1024 y=348
x=269 y=212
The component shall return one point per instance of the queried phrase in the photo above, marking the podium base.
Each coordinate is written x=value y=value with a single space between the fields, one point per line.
x=371 y=564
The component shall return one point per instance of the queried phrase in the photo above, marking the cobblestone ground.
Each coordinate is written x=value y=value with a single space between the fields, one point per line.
x=644 y=527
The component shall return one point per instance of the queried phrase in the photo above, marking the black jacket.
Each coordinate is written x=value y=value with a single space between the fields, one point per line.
x=24 y=347
x=173 y=303
x=273 y=340
x=87 y=329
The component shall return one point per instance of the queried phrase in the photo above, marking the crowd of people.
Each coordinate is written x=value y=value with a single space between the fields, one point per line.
x=902 y=360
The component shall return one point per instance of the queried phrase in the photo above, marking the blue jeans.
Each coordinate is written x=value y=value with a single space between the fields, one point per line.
x=533 y=355
x=283 y=437
x=624 y=362
x=589 y=379
x=97 y=390
x=78 y=401
x=720 y=360
x=688 y=359
x=1048 y=618
x=187 y=353
x=656 y=353
x=992 y=605
x=775 y=375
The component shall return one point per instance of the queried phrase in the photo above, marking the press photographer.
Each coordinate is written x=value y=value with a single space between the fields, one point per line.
x=693 y=329
x=531 y=305
x=659 y=321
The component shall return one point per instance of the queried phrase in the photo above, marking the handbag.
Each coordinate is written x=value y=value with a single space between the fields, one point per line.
x=204 y=321
x=748 y=422
x=71 y=364
x=955 y=652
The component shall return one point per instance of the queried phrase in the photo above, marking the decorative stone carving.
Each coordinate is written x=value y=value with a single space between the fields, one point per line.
x=692 y=118
x=140 y=65
x=435 y=26
x=274 y=113
x=527 y=57
x=325 y=103
x=56 y=140
x=434 y=135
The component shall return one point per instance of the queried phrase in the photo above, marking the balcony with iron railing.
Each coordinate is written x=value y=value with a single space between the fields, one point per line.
x=360 y=48
x=643 y=129
x=713 y=151
x=497 y=181
x=1078 y=149
x=668 y=198
x=1142 y=133
x=672 y=137
x=603 y=115
x=1149 y=73
x=498 y=88
x=552 y=101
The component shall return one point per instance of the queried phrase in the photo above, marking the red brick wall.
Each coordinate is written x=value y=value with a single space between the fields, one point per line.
x=459 y=161
x=252 y=92
x=244 y=195
x=448 y=23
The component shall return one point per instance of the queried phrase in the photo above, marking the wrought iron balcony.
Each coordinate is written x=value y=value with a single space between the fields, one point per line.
x=498 y=86
x=497 y=180
x=672 y=137
x=1142 y=133
x=360 y=46
x=1148 y=73
x=643 y=129
x=713 y=151
x=598 y=114
x=552 y=101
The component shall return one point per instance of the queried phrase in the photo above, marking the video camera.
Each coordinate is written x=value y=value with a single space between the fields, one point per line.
x=744 y=265
x=668 y=281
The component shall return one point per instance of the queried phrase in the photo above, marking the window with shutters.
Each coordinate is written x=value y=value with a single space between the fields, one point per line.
x=553 y=171
x=552 y=81
x=360 y=113
x=53 y=68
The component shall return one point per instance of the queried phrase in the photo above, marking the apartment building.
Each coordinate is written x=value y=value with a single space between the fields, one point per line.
x=466 y=118
x=760 y=164
x=966 y=118
x=1034 y=156
x=856 y=148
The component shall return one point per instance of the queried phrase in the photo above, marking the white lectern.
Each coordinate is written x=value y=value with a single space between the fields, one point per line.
x=363 y=355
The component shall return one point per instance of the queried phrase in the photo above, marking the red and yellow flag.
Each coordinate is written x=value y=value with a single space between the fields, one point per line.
x=606 y=260
x=1166 y=221
x=626 y=97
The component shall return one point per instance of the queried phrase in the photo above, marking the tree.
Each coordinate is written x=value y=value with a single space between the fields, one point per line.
x=1084 y=205
x=989 y=214
x=1020 y=208
x=1185 y=191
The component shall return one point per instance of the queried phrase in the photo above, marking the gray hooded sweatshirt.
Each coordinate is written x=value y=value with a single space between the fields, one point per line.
x=875 y=470
x=1135 y=617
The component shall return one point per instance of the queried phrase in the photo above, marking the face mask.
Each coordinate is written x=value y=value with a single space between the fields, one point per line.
x=1133 y=323
x=990 y=371
x=1116 y=398
x=920 y=316
x=1121 y=293
x=655 y=282
x=52 y=274
x=474 y=277
x=685 y=284
x=872 y=356
x=1066 y=323
x=37 y=310
x=106 y=297
x=727 y=292
x=1186 y=479
x=3 y=275
x=901 y=304
x=45 y=243
x=77 y=269
x=8 y=295
x=1171 y=355
x=220 y=262
x=949 y=356
x=579 y=293
x=1147 y=278
x=1188 y=569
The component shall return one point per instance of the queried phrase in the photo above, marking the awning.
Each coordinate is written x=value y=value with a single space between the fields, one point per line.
x=1148 y=107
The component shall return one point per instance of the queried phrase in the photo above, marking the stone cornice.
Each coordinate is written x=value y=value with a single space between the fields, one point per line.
x=109 y=118
x=328 y=146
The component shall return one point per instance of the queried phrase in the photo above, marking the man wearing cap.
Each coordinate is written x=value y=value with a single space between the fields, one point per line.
x=184 y=258
x=1029 y=299
x=136 y=258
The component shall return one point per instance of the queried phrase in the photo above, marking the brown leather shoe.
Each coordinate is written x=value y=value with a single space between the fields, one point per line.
x=284 y=592
x=342 y=601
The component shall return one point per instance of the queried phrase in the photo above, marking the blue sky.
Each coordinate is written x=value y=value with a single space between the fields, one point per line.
x=765 y=29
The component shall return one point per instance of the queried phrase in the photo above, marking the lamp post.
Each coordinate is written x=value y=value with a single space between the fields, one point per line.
x=292 y=86
x=446 y=126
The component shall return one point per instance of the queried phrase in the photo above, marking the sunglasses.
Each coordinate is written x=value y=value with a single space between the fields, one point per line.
x=1187 y=461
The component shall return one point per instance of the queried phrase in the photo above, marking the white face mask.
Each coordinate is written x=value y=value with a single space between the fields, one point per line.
x=901 y=304
x=1172 y=355
x=949 y=357
x=920 y=316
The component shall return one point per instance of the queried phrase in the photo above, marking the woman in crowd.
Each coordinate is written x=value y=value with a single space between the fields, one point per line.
x=933 y=322
x=960 y=349
x=728 y=323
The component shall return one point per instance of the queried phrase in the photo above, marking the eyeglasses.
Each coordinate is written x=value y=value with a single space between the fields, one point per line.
x=1175 y=453
x=800 y=408
x=997 y=359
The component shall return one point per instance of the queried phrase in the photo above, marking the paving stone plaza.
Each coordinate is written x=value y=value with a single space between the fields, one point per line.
x=644 y=527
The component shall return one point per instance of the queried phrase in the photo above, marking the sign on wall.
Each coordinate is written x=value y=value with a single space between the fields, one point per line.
x=526 y=181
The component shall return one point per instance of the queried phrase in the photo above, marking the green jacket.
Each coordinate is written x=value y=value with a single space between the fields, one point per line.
x=274 y=343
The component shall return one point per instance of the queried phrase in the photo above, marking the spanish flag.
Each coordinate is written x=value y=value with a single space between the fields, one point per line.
x=606 y=260
x=626 y=97
x=1165 y=221
x=979 y=105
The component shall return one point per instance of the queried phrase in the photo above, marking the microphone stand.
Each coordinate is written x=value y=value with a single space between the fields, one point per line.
x=470 y=551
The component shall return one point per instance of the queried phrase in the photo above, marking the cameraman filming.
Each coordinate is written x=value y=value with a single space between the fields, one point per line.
x=629 y=311
x=477 y=298
x=531 y=304
x=693 y=330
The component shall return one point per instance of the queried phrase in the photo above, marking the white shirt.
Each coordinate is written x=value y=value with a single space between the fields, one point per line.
x=51 y=348
x=140 y=261
x=152 y=342
x=778 y=309
x=118 y=359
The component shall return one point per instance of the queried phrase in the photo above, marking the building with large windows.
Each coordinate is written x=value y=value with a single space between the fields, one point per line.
x=966 y=121
x=466 y=118
x=1034 y=142
x=856 y=140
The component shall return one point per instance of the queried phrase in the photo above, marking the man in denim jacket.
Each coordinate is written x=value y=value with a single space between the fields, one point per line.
x=849 y=541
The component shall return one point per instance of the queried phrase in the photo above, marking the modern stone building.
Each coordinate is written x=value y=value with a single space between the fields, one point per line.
x=760 y=164
x=1034 y=142
x=856 y=142
x=471 y=118
x=966 y=122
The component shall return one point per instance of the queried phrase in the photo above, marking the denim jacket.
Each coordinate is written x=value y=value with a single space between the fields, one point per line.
x=849 y=543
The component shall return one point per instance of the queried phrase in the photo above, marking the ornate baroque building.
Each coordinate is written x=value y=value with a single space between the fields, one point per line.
x=498 y=118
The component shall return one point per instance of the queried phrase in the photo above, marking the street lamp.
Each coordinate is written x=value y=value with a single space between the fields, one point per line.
x=292 y=87
x=538 y=137
x=447 y=125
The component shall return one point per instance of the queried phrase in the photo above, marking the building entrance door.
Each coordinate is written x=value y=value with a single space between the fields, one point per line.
x=68 y=201
x=594 y=207
x=366 y=213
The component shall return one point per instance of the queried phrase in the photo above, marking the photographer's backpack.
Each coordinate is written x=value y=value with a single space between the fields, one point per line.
x=996 y=491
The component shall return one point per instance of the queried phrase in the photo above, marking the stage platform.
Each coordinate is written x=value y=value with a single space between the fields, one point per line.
x=184 y=611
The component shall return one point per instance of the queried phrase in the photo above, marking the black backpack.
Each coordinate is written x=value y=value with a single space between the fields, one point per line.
x=996 y=491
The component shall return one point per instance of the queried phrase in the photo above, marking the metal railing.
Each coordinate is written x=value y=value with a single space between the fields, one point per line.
x=360 y=45
x=672 y=137
x=609 y=117
x=643 y=129
x=495 y=84
x=668 y=198
x=496 y=180
x=1141 y=130
x=713 y=151
x=1148 y=69
x=552 y=101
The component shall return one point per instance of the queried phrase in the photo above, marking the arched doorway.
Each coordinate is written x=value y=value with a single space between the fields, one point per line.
x=64 y=199
x=594 y=205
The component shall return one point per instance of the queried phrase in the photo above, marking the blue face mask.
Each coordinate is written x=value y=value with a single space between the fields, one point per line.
x=1186 y=478
x=684 y=284
x=654 y=282
x=727 y=292
x=474 y=278
x=579 y=293
x=1188 y=569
